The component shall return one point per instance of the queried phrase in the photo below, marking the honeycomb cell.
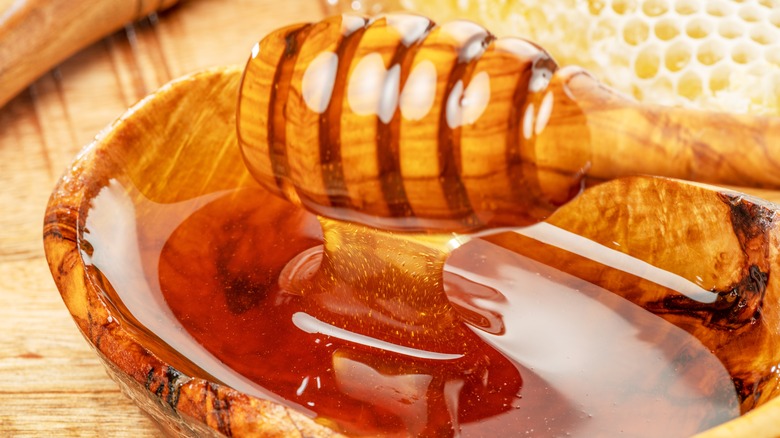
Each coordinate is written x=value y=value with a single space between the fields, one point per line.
x=699 y=28
x=636 y=31
x=710 y=52
x=744 y=53
x=689 y=85
x=727 y=38
x=719 y=8
x=763 y=34
x=731 y=28
x=607 y=28
x=661 y=89
x=720 y=78
x=623 y=7
x=678 y=56
x=750 y=13
x=686 y=7
x=667 y=28
x=758 y=68
x=775 y=81
x=648 y=62
x=596 y=6
x=774 y=18
x=772 y=54
x=655 y=8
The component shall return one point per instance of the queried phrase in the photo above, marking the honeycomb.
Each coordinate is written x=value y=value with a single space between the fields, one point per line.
x=715 y=54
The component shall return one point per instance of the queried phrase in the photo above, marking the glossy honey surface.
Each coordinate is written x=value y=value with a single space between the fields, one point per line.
x=512 y=345
x=227 y=282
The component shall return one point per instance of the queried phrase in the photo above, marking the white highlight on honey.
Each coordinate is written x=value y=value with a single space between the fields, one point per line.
x=465 y=107
x=373 y=89
x=304 y=384
x=351 y=23
x=310 y=324
x=318 y=80
x=576 y=244
x=528 y=122
x=419 y=91
x=545 y=110
x=388 y=101
x=411 y=27
x=464 y=32
x=468 y=36
x=366 y=82
x=406 y=393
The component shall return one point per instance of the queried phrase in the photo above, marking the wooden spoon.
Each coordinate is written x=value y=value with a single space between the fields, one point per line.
x=36 y=35
x=400 y=124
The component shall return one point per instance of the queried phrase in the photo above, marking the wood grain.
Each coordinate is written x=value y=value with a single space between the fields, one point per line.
x=51 y=383
x=37 y=34
x=496 y=136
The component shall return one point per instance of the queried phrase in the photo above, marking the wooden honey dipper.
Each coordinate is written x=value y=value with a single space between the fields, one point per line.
x=36 y=35
x=396 y=123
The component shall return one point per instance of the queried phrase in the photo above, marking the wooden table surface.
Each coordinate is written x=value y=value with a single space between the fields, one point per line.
x=51 y=383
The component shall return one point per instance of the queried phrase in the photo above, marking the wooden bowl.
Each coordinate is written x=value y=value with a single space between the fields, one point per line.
x=131 y=152
x=178 y=149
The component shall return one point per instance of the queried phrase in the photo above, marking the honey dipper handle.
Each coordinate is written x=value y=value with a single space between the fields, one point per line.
x=628 y=138
x=36 y=35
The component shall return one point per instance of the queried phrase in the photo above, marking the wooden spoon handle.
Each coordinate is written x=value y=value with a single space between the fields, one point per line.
x=36 y=35
x=399 y=124
x=629 y=138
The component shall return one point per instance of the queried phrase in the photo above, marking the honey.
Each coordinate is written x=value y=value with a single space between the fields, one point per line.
x=390 y=305
x=498 y=344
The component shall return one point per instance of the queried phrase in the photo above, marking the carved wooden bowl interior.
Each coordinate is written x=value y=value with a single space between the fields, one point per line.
x=176 y=151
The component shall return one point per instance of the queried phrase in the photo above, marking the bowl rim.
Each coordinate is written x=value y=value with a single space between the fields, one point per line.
x=185 y=404
x=196 y=406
